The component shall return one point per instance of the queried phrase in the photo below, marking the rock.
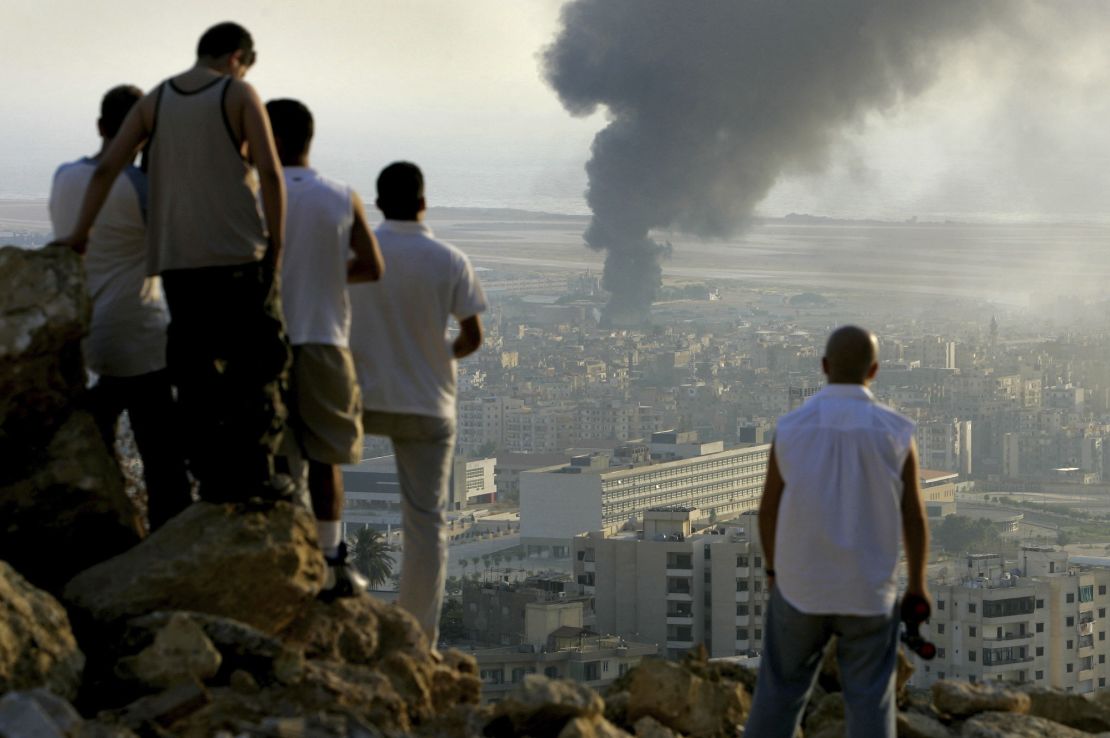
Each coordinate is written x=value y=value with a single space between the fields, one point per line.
x=181 y=653
x=71 y=493
x=597 y=727
x=37 y=647
x=243 y=682
x=241 y=647
x=37 y=713
x=1015 y=725
x=831 y=729
x=44 y=312
x=1073 y=710
x=684 y=701
x=830 y=709
x=917 y=725
x=961 y=699
x=344 y=630
x=541 y=707
x=59 y=482
x=261 y=567
x=649 y=727
x=163 y=710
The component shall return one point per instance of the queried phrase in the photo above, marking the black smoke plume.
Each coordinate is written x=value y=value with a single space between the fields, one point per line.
x=710 y=101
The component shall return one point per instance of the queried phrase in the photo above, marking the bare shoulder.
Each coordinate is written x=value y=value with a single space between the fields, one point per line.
x=242 y=92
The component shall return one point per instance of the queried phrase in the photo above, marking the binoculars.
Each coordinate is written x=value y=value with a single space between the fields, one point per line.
x=915 y=611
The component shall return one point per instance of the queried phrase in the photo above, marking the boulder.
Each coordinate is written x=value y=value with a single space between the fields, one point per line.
x=37 y=647
x=181 y=653
x=918 y=725
x=37 y=713
x=1015 y=725
x=685 y=702
x=1073 y=710
x=44 y=312
x=598 y=727
x=649 y=727
x=961 y=699
x=259 y=566
x=72 y=495
x=542 y=707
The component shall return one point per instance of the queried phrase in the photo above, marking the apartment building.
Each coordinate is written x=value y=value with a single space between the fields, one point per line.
x=669 y=585
x=1040 y=620
x=559 y=502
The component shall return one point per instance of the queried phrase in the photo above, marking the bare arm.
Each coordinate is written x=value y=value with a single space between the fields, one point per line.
x=773 y=486
x=132 y=134
x=469 y=338
x=367 y=266
x=260 y=140
x=915 y=527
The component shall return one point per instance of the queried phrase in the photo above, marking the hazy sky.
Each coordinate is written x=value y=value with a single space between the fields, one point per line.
x=1014 y=128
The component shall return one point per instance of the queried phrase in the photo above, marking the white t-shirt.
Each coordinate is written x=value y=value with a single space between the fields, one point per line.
x=399 y=325
x=318 y=219
x=841 y=456
x=127 y=335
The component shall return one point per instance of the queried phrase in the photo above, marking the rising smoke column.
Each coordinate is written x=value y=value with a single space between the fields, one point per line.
x=712 y=100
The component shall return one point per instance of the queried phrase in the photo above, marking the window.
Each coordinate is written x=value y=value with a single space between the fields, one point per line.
x=971 y=678
x=940 y=627
x=759 y=609
x=1087 y=593
x=1040 y=650
x=758 y=561
x=591 y=671
x=1069 y=668
x=1070 y=621
x=678 y=560
x=1102 y=658
x=741 y=634
x=1102 y=681
x=1007 y=607
x=1102 y=612
x=741 y=585
x=940 y=604
x=970 y=655
x=1069 y=598
x=1040 y=627
x=1070 y=644
x=1039 y=675
x=1040 y=604
x=971 y=631
x=940 y=655
x=1101 y=590
x=758 y=633
x=1102 y=635
x=741 y=562
x=940 y=675
x=741 y=608
x=551 y=672
x=757 y=586
x=971 y=607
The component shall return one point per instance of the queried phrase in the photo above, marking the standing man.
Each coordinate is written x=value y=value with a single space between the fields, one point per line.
x=126 y=346
x=841 y=483
x=325 y=226
x=406 y=367
x=208 y=151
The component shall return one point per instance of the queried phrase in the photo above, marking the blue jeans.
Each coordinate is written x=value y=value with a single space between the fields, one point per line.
x=793 y=645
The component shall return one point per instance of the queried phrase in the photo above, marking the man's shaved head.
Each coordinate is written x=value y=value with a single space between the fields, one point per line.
x=850 y=355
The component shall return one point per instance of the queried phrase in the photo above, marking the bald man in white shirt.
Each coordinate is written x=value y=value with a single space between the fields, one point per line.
x=841 y=484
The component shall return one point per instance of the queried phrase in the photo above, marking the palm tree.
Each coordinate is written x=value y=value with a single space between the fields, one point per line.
x=371 y=555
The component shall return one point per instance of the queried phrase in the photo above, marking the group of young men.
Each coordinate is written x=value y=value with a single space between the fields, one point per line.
x=230 y=280
x=209 y=377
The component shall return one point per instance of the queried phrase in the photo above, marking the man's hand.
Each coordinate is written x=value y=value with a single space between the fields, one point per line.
x=75 y=241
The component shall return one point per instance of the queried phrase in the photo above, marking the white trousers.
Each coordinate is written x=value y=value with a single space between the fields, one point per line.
x=424 y=447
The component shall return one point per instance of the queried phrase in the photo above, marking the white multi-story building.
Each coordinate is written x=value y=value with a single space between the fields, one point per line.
x=559 y=502
x=668 y=585
x=1041 y=620
x=945 y=444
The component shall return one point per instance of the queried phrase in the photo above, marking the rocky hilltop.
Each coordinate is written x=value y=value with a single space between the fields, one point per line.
x=211 y=626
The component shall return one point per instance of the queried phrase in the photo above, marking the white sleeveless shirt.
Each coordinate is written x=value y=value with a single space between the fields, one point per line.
x=839 y=527
x=203 y=195
x=318 y=219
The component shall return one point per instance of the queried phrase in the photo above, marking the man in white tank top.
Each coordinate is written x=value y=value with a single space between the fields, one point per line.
x=324 y=225
x=209 y=151
x=841 y=485
x=126 y=345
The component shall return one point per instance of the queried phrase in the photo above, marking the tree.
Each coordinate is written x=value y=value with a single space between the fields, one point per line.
x=371 y=555
x=958 y=533
x=451 y=620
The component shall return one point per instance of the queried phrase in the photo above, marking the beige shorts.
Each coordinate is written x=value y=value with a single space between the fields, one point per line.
x=326 y=405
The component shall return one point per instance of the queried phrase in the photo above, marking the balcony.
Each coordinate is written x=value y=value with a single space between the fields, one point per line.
x=994 y=665
x=743 y=596
x=680 y=597
x=680 y=619
x=679 y=572
x=1009 y=637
